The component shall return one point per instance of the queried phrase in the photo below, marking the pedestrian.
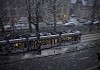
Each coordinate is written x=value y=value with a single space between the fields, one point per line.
x=28 y=44
x=7 y=48
x=80 y=37
x=39 y=47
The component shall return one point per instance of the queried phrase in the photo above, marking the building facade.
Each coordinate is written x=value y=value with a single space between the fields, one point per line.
x=86 y=9
x=17 y=10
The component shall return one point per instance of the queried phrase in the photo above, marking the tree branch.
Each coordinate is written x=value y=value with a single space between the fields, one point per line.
x=33 y=23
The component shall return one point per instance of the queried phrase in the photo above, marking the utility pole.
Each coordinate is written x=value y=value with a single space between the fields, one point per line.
x=12 y=21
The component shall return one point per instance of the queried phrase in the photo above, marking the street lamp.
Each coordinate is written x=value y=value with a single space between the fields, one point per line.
x=20 y=21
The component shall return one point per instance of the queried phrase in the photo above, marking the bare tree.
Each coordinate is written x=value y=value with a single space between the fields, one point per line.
x=36 y=5
x=94 y=11
x=29 y=15
x=53 y=6
x=11 y=5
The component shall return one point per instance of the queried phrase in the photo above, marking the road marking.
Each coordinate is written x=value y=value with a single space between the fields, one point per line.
x=92 y=67
x=83 y=58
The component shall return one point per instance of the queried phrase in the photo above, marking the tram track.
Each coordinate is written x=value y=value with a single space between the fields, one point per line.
x=90 y=37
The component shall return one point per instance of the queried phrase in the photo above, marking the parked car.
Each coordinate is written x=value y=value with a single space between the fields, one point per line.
x=59 y=23
x=82 y=20
x=88 y=22
x=69 y=24
x=7 y=28
x=96 y=22
x=33 y=35
x=45 y=34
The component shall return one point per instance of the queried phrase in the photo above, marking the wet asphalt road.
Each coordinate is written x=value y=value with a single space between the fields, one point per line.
x=85 y=59
x=79 y=60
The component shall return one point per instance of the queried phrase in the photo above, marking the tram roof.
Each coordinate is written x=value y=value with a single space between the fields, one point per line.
x=35 y=38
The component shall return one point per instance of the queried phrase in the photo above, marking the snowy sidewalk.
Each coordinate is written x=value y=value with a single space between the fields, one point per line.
x=30 y=55
x=47 y=52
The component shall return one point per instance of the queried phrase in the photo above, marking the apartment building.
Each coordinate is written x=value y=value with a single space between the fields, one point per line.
x=16 y=10
x=85 y=8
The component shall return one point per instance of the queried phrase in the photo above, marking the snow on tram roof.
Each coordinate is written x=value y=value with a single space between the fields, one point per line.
x=41 y=37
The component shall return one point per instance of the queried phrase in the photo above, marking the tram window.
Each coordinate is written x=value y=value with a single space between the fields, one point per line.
x=56 y=41
x=49 y=41
x=69 y=38
x=21 y=44
x=18 y=45
x=43 y=42
x=75 y=38
x=15 y=45
x=66 y=38
x=33 y=44
x=53 y=41
x=46 y=42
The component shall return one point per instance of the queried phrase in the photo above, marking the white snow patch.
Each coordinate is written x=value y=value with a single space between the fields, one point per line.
x=27 y=56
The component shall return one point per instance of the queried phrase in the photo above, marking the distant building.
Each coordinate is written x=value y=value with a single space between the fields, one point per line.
x=85 y=8
x=17 y=9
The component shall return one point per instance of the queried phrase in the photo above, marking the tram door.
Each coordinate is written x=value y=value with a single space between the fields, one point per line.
x=54 y=42
x=67 y=39
x=45 y=43
x=49 y=42
x=33 y=43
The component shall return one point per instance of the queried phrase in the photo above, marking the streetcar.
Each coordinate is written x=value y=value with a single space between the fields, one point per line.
x=48 y=41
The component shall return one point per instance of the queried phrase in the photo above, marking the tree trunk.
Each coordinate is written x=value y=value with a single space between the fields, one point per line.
x=29 y=15
x=54 y=15
x=37 y=29
x=29 y=21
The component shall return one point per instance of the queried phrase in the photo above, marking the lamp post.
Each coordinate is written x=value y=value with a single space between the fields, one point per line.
x=20 y=25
